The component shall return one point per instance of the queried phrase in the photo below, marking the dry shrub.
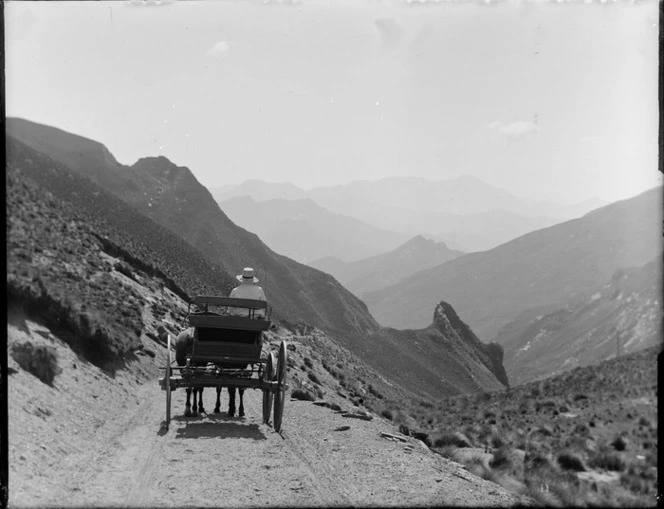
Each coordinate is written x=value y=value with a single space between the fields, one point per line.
x=387 y=413
x=539 y=461
x=619 y=443
x=568 y=495
x=608 y=460
x=475 y=465
x=542 y=494
x=644 y=422
x=450 y=452
x=503 y=458
x=41 y=361
x=545 y=404
x=497 y=441
x=302 y=394
x=455 y=439
x=571 y=461
x=372 y=390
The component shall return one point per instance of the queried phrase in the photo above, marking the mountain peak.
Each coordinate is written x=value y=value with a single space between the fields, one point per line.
x=419 y=239
x=162 y=167
x=446 y=320
x=152 y=160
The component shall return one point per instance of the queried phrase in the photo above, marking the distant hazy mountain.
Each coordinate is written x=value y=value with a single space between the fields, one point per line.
x=305 y=231
x=541 y=268
x=461 y=195
x=260 y=191
x=465 y=211
x=172 y=197
x=486 y=230
x=622 y=316
x=387 y=268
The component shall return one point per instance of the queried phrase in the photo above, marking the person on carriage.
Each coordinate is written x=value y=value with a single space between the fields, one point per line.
x=248 y=289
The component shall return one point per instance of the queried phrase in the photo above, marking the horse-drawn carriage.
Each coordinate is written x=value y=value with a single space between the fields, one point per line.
x=224 y=349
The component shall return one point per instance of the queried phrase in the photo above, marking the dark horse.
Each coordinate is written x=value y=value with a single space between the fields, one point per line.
x=183 y=345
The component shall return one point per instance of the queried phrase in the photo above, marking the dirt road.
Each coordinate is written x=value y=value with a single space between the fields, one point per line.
x=97 y=440
x=320 y=458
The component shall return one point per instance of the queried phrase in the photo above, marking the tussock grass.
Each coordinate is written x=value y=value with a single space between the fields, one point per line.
x=450 y=452
x=578 y=423
x=608 y=460
x=387 y=413
x=452 y=439
x=571 y=461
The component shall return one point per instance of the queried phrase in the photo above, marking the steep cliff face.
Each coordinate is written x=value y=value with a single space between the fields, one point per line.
x=447 y=321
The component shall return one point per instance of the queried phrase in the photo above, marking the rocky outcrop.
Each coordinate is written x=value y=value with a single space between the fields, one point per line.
x=447 y=321
x=496 y=353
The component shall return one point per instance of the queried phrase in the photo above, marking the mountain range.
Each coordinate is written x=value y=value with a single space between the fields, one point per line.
x=465 y=212
x=70 y=189
x=305 y=231
x=542 y=268
x=165 y=224
x=388 y=268
x=172 y=197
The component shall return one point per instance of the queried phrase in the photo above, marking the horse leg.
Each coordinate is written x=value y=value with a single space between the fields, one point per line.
x=193 y=407
x=217 y=407
x=187 y=410
x=241 y=391
x=231 y=401
x=201 y=410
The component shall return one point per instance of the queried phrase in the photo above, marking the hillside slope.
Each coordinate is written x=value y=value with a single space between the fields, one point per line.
x=85 y=410
x=622 y=316
x=385 y=269
x=305 y=231
x=75 y=254
x=171 y=196
x=538 y=269
x=443 y=359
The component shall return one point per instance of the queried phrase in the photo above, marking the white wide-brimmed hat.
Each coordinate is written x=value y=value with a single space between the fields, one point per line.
x=247 y=276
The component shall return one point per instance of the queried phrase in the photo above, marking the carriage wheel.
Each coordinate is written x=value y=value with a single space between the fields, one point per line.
x=167 y=380
x=268 y=375
x=280 y=396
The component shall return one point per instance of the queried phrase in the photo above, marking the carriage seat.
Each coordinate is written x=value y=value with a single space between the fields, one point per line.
x=228 y=339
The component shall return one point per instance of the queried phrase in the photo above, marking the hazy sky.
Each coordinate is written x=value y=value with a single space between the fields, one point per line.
x=548 y=100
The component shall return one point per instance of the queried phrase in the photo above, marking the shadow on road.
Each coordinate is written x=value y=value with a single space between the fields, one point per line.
x=217 y=427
